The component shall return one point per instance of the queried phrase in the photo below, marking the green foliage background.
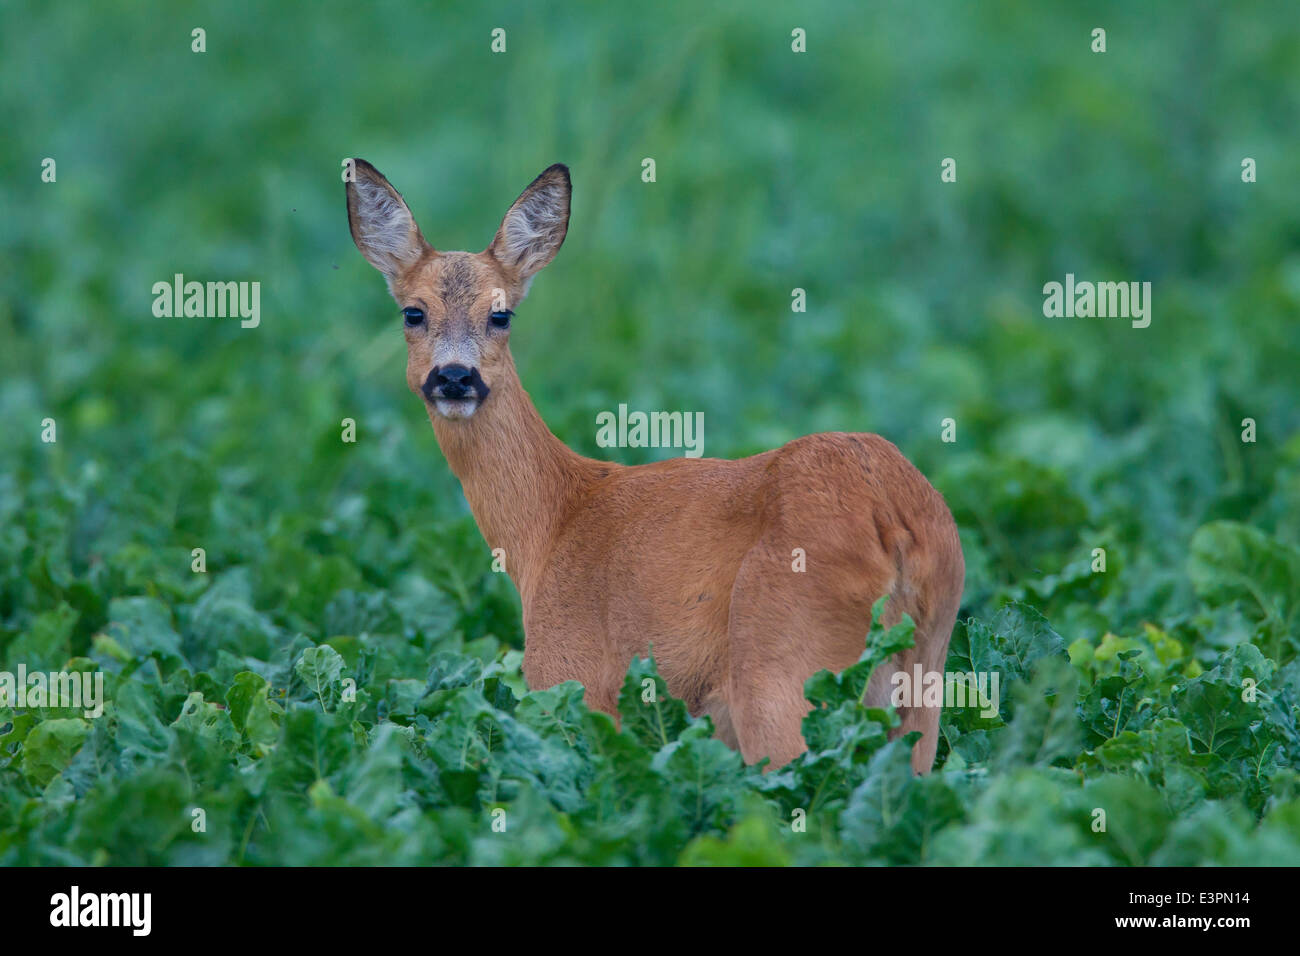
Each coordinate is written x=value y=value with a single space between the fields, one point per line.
x=330 y=562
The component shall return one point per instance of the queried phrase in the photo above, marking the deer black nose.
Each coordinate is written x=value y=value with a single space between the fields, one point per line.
x=452 y=381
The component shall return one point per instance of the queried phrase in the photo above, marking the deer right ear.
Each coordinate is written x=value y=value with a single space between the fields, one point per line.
x=382 y=225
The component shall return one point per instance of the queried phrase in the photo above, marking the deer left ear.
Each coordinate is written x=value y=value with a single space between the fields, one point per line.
x=534 y=229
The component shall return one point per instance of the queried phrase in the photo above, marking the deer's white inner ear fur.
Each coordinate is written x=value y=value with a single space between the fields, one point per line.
x=534 y=228
x=386 y=233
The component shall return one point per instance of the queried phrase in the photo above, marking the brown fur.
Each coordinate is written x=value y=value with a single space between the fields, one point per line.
x=690 y=556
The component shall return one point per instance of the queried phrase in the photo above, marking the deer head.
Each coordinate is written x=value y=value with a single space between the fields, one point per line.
x=457 y=306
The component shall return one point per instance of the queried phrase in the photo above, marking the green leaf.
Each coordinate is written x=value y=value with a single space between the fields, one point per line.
x=893 y=815
x=703 y=776
x=46 y=644
x=751 y=842
x=1232 y=562
x=50 y=746
x=321 y=670
x=143 y=626
x=251 y=713
x=1045 y=729
x=649 y=712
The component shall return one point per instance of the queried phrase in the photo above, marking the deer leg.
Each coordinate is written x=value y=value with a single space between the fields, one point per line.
x=784 y=626
x=554 y=656
x=930 y=652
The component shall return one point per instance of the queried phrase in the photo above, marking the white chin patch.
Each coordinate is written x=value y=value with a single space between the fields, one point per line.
x=463 y=408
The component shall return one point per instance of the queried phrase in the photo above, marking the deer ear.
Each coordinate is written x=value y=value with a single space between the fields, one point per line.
x=382 y=226
x=534 y=229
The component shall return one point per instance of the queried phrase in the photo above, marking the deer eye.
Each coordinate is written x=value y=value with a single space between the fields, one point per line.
x=413 y=317
x=502 y=319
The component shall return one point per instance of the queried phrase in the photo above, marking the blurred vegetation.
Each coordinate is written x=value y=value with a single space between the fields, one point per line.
x=330 y=561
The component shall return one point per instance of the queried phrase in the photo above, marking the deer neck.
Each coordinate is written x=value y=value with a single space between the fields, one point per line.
x=519 y=479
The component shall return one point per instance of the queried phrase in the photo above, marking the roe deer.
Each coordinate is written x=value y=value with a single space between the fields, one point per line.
x=690 y=555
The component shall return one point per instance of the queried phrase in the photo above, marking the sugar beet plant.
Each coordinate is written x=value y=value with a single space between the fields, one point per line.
x=328 y=720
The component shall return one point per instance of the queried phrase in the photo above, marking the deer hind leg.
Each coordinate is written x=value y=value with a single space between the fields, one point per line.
x=930 y=651
x=784 y=626
x=715 y=705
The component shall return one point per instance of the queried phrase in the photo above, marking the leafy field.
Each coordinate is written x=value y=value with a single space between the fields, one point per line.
x=342 y=683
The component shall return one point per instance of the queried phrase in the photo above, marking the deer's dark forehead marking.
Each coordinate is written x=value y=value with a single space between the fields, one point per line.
x=458 y=284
